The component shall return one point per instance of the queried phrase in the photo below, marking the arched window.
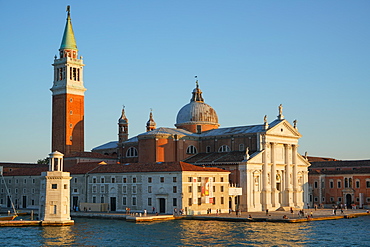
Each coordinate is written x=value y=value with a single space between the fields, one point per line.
x=208 y=149
x=241 y=147
x=191 y=150
x=131 y=152
x=224 y=148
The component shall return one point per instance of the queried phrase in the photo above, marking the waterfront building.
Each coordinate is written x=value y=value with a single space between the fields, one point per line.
x=339 y=182
x=165 y=186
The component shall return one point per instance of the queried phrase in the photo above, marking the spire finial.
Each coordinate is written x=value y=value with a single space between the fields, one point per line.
x=68 y=10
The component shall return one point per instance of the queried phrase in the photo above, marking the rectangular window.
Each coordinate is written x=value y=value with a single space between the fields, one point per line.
x=54 y=186
x=149 y=201
x=174 y=189
x=315 y=185
x=214 y=189
x=94 y=189
x=124 y=180
x=65 y=186
x=102 y=199
x=124 y=201
x=174 y=202
x=222 y=200
x=16 y=181
x=199 y=201
x=134 y=201
x=174 y=179
x=162 y=179
x=102 y=189
x=113 y=180
x=24 y=191
x=331 y=199
x=199 y=189
x=222 y=188
x=367 y=184
x=339 y=184
x=214 y=200
x=33 y=181
x=94 y=180
x=75 y=180
x=149 y=189
x=149 y=179
x=190 y=201
x=102 y=180
x=124 y=189
x=32 y=202
x=316 y=199
x=199 y=179
x=75 y=190
x=94 y=199
x=25 y=181
x=190 y=189
x=133 y=189
x=190 y=179
x=339 y=199
x=222 y=179
x=134 y=180
x=33 y=191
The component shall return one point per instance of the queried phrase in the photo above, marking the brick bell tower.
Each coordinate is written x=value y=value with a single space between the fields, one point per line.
x=68 y=95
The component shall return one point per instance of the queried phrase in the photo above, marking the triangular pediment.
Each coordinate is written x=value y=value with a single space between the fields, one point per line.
x=283 y=128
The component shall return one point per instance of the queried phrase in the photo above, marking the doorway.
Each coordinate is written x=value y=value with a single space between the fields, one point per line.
x=113 y=205
x=162 y=205
x=75 y=201
x=24 y=202
x=348 y=200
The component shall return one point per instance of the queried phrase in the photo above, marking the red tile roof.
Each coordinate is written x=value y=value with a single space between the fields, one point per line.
x=97 y=167
x=89 y=155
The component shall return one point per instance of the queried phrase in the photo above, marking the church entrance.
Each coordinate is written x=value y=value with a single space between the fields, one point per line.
x=162 y=205
x=348 y=200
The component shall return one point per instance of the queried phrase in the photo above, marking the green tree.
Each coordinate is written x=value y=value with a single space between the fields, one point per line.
x=43 y=161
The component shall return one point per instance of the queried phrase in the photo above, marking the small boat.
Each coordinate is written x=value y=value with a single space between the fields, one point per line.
x=11 y=217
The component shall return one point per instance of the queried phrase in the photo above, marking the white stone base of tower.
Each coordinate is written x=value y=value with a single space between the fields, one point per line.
x=55 y=194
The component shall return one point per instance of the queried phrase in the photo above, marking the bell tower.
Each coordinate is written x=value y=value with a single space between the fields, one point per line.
x=68 y=95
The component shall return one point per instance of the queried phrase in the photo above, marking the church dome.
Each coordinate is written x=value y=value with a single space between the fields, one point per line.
x=197 y=113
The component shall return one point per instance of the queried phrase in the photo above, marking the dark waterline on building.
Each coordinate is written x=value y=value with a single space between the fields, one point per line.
x=101 y=232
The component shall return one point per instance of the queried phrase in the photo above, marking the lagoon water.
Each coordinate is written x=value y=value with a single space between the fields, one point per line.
x=102 y=232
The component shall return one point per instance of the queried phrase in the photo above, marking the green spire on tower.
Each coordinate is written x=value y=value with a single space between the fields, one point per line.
x=68 y=40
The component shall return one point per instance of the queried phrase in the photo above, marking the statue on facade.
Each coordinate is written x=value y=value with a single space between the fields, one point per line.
x=246 y=155
x=295 y=123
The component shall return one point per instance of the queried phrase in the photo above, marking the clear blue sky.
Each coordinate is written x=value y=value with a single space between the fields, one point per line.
x=250 y=56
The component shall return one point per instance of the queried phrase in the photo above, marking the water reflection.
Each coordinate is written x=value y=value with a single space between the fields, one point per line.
x=63 y=235
x=199 y=233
